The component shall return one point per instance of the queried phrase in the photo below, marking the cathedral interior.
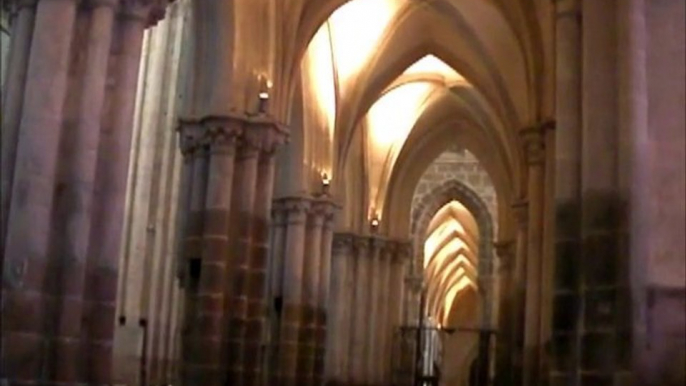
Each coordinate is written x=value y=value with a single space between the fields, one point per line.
x=344 y=193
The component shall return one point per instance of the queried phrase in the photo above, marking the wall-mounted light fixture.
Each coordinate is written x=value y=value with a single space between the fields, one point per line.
x=326 y=183
x=374 y=223
x=263 y=96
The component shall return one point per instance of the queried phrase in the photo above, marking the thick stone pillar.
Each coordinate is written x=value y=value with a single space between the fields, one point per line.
x=520 y=211
x=383 y=331
x=26 y=251
x=304 y=318
x=236 y=304
x=196 y=154
x=505 y=344
x=373 y=309
x=110 y=184
x=70 y=165
x=339 y=311
x=255 y=287
x=311 y=277
x=360 y=325
x=327 y=210
x=603 y=348
x=565 y=316
x=534 y=142
x=22 y=20
x=227 y=247
x=293 y=277
x=208 y=318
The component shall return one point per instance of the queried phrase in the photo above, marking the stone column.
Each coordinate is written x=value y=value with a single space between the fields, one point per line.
x=533 y=139
x=111 y=181
x=327 y=209
x=339 y=309
x=360 y=341
x=384 y=327
x=505 y=345
x=22 y=19
x=276 y=269
x=256 y=285
x=293 y=278
x=26 y=252
x=520 y=210
x=197 y=155
x=311 y=278
x=77 y=177
x=401 y=255
x=242 y=220
x=209 y=317
x=603 y=275
x=567 y=193
x=373 y=308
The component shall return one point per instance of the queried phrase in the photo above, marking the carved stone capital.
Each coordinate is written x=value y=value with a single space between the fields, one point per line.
x=263 y=135
x=295 y=209
x=221 y=135
x=190 y=136
x=326 y=210
x=342 y=243
x=378 y=244
x=360 y=244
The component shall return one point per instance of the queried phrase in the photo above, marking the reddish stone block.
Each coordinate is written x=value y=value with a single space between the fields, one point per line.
x=212 y=276
x=68 y=360
x=102 y=284
x=215 y=248
x=101 y=319
x=216 y=222
x=22 y=355
x=69 y=316
x=99 y=363
x=209 y=303
x=209 y=325
x=23 y=311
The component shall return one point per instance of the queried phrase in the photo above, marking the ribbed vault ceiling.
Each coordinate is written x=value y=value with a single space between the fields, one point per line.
x=375 y=68
x=450 y=258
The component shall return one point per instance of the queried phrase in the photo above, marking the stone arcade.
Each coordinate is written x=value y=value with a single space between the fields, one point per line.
x=351 y=193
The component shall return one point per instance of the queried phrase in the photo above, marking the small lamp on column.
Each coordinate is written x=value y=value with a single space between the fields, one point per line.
x=374 y=223
x=263 y=96
x=326 y=184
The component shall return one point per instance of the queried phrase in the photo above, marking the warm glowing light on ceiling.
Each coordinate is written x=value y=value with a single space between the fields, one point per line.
x=392 y=116
x=356 y=29
x=430 y=65
x=320 y=66
x=449 y=302
x=450 y=253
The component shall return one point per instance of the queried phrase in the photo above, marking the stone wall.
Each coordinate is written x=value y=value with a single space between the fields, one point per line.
x=459 y=165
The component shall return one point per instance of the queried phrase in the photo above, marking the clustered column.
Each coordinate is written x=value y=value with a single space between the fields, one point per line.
x=505 y=342
x=68 y=166
x=224 y=267
x=365 y=306
x=534 y=146
x=301 y=269
x=520 y=210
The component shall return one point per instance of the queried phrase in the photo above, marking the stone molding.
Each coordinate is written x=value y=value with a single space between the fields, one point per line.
x=250 y=136
x=319 y=209
x=398 y=250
